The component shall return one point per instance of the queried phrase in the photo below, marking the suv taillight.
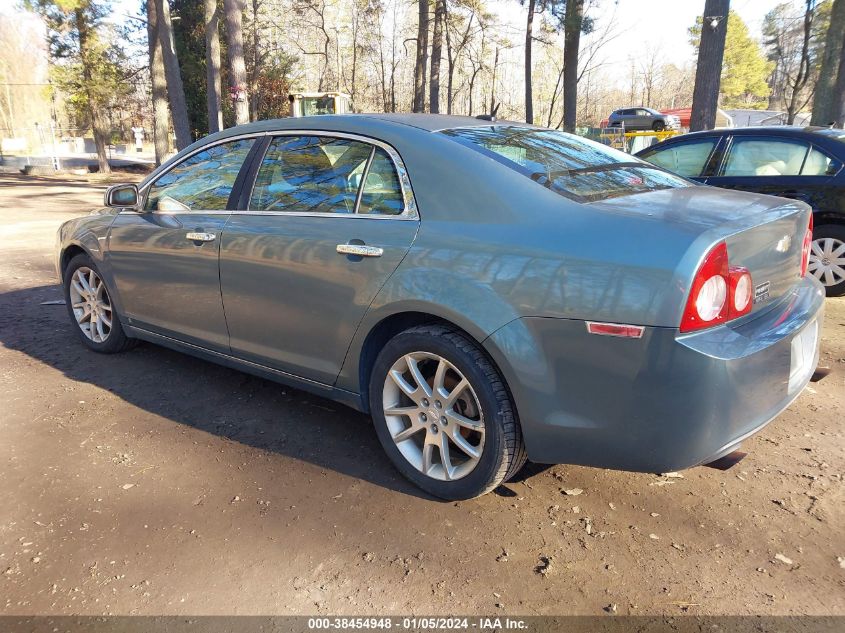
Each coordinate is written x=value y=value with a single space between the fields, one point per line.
x=805 y=250
x=720 y=292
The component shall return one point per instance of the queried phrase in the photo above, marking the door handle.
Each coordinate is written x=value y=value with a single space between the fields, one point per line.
x=360 y=249
x=201 y=237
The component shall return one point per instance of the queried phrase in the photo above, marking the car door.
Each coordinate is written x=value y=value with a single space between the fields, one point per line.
x=165 y=257
x=643 y=119
x=790 y=168
x=328 y=220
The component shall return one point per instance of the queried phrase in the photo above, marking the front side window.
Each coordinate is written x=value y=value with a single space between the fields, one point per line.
x=687 y=159
x=569 y=165
x=765 y=157
x=310 y=174
x=201 y=182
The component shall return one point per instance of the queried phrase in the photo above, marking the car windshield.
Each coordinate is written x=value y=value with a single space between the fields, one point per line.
x=572 y=166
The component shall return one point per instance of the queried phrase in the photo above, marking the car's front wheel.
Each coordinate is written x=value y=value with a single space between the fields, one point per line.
x=90 y=307
x=658 y=126
x=827 y=258
x=443 y=414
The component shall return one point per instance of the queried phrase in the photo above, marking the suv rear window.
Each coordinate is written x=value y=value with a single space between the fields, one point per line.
x=574 y=167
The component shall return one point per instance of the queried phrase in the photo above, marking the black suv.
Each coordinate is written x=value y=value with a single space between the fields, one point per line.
x=800 y=163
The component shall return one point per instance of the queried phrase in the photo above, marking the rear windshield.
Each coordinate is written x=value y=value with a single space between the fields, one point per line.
x=572 y=166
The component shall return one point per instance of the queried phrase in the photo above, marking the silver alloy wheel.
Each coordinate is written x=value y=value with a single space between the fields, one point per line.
x=91 y=304
x=827 y=260
x=433 y=416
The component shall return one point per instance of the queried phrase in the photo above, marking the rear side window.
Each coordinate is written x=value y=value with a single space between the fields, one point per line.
x=687 y=159
x=382 y=193
x=310 y=174
x=569 y=165
x=765 y=157
x=201 y=182
x=818 y=164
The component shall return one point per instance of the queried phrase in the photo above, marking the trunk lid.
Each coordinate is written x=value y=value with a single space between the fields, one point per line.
x=763 y=233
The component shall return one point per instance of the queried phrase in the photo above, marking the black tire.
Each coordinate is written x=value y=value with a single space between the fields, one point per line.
x=836 y=232
x=658 y=126
x=503 y=453
x=116 y=340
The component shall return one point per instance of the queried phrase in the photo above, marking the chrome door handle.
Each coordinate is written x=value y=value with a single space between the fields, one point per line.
x=360 y=250
x=201 y=237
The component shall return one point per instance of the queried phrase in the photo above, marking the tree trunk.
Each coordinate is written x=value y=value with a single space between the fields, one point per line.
x=212 y=66
x=422 y=57
x=175 y=89
x=803 y=66
x=529 y=38
x=83 y=28
x=237 y=68
x=839 y=92
x=573 y=21
x=493 y=84
x=436 y=54
x=711 y=50
x=161 y=113
x=824 y=100
x=255 y=93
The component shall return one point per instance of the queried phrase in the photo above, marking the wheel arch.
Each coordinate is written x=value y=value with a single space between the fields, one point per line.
x=391 y=325
x=67 y=254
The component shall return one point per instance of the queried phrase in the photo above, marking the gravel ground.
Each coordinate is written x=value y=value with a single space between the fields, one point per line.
x=154 y=483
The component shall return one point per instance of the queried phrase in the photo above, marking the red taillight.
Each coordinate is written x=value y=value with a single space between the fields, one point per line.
x=805 y=250
x=742 y=292
x=719 y=292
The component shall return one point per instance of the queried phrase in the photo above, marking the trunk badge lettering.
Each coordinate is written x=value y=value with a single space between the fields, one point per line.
x=761 y=292
x=783 y=244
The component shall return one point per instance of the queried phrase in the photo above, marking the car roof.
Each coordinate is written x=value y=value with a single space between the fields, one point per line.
x=372 y=121
x=763 y=130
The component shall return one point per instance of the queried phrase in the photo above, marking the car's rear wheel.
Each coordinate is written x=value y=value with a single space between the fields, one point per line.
x=443 y=414
x=90 y=307
x=827 y=258
x=658 y=126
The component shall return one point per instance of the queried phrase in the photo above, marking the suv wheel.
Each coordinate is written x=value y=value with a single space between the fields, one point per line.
x=443 y=414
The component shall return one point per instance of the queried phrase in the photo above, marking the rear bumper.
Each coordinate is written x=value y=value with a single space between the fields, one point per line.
x=662 y=402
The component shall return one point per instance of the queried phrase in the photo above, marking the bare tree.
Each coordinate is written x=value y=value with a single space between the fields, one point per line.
x=436 y=54
x=839 y=91
x=529 y=41
x=237 y=67
x=800 y=80
x=573 y=23
x=705 y=96
x=421 y=63
x=161 y=113
x=212 y=66
x=175 y=89
x=824 y=100
x=452 y=54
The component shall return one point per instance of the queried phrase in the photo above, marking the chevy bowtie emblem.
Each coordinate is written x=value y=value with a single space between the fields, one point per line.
x=783 y=244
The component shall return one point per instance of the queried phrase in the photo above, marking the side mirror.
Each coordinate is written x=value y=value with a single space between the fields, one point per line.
x=122 y=196
x=833 y=168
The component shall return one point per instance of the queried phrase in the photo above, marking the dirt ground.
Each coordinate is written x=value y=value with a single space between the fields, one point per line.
x=155 y=483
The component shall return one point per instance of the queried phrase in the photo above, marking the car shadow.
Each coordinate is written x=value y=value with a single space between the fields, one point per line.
x=208 y=397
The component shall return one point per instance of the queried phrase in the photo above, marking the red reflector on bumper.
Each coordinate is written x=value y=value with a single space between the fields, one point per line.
x=615 y=329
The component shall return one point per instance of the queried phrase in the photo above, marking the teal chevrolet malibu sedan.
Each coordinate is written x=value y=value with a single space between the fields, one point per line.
x=489 y=292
